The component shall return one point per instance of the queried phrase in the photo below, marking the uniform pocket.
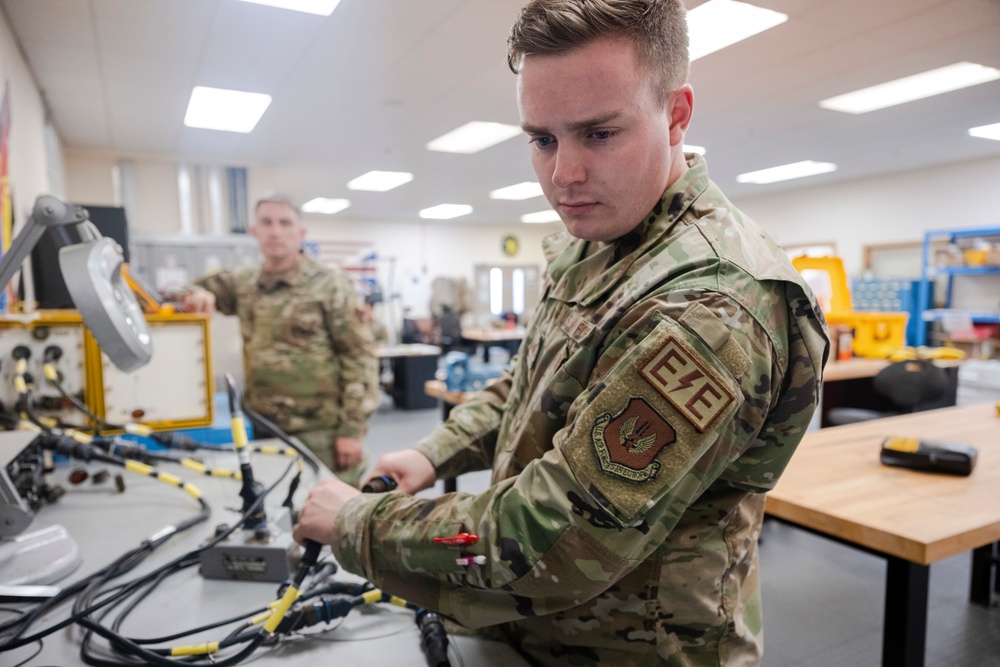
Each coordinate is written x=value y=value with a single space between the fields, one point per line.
x=304 y=322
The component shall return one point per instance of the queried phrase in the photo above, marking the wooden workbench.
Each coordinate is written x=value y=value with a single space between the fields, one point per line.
x=836 y=486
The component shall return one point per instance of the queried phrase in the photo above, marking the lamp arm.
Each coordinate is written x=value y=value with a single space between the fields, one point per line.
x=48 y=212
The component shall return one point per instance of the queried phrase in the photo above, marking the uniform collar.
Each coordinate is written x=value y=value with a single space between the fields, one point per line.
x=582 y=275
x=291 y=277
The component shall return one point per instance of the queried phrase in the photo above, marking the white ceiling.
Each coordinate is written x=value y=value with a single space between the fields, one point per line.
x=369 y=86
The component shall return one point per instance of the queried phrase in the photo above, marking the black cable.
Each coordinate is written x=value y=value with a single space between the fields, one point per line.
x=133 y=648
x=203 y=628
x=170 y=440
x=120 y=566
x=41 y=647
x=95 y=601
x=119 y=447
x=304 y=452
x=51 y=355
x=251 y=489
x=18 y=613
x=15 y=640
x=292 y=488
x=433 y=638
x=174 y=440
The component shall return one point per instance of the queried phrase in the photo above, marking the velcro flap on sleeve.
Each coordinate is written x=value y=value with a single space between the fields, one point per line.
x=652 y=418
x=711 y=329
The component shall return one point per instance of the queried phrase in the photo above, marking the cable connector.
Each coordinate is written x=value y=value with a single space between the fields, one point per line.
x=77 y=450
x=323 y=610
x=173 y=440
x=433 y=638
x=380 y=484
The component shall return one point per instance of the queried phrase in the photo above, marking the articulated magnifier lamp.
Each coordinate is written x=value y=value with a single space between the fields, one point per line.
x=92 y=271
x=109 y=309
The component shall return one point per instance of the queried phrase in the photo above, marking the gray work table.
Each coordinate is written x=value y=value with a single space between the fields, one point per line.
x=105 y=523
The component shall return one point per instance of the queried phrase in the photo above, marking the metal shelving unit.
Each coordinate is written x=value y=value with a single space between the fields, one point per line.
x=929 y=272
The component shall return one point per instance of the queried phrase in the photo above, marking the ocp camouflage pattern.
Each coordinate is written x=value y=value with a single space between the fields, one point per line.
x=309 y=360
x=663 y=384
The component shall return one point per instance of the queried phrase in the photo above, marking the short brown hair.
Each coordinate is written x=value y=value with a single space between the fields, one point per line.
x=278 y=198
x=657 y=27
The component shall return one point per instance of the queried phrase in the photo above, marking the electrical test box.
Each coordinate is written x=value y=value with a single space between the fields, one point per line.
x=173 y=391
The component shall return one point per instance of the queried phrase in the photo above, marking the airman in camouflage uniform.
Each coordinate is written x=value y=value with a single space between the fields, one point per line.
x=665 y=380
x=308 y=359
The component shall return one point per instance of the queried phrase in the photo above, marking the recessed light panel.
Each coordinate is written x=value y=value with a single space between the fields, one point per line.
x=786 y=172
x=986 y=131
x=380 y=181
x=445 y=211
x=473 y=137
x=540 y=217
x=225 y=110
x=325 y=205
x=910 y=88
x=691 y=148
x=721 y=23
x=518 y=192
x=318 y=7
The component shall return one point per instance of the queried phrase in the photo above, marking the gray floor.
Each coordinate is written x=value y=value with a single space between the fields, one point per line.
x=822 y=601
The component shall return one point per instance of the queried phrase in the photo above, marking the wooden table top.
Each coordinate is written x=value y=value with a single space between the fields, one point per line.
x=438 y=389
x=860 y=367
x=493 y=335
x=407 y=350
x=835 y=484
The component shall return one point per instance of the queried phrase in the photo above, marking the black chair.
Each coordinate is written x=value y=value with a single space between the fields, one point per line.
x=450 y=327
x=906 y=385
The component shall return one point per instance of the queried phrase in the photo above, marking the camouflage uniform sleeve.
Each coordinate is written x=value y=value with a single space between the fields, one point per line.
x=223 y=286
x=467 y=441
x=352 y=342
x=622 y=472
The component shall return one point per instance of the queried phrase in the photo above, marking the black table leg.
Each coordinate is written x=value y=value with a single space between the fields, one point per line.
x=904 y=638
x=450 y=483
x=983 y=563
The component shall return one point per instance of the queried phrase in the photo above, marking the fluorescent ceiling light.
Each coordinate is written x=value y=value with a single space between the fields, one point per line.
x=380 y=181
x=325 y=205
x=445 y=211
x=721 y=23
x=986 y=131
x=525 y=190
x=226 y=110
x=691 y=148
x=910 y=88
x=786 y=172
x=318 y=7
x=473 y=137
x=540 y=216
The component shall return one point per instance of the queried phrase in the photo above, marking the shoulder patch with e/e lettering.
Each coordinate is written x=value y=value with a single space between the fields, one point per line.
x=694 y=388
x=627 y=443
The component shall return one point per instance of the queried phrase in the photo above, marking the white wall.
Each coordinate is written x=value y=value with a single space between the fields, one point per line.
x=422 y=250
x=157 y=205
x=425 y=250
x=89 y=178
x=884 y=209
x=28 y=163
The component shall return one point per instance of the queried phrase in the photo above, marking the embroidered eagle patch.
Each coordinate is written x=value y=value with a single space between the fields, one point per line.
x=627 y=443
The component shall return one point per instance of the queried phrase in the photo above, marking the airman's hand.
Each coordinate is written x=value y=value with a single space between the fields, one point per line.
x=412 y=470
x=321 y=509
x=198 y=300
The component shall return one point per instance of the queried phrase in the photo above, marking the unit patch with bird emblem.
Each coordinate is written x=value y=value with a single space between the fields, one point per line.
x=627 y=443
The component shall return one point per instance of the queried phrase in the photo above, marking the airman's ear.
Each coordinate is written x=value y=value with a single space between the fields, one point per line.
x=680 y=106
